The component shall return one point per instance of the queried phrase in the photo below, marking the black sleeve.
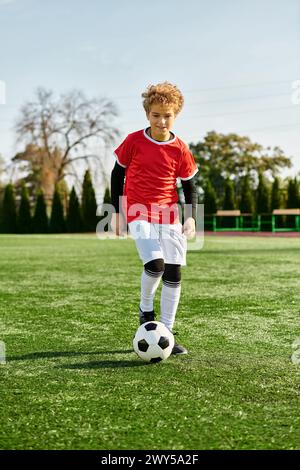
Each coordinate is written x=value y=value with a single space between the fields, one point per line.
x=117 y=183
x=190 y=197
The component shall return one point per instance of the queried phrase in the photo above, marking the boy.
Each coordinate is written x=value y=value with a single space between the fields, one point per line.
x=152 y=159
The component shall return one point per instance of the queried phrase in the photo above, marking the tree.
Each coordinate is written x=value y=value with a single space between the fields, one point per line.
x=293 y=194
x=9 y=213
x=24 y=222
x=230 y=155
x=229 y=198
x=57 y=135
x=247 y=200
x=106 y=200
x=88 y=204
x=210 y=199
x=2 y=169
x=276 y=199
x=1 y=205
x=74 y=221
x=57 y=221
x=40 y=219
x=262 y=196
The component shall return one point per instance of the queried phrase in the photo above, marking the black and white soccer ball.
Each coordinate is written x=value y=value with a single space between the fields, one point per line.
x=153 y=342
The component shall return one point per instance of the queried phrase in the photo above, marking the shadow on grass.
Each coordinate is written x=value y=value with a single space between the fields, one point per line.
x=53 y=354
x=87 y=365
x=104 y=365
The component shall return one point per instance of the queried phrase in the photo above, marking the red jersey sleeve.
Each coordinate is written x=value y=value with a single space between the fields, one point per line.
x=123 y=153
x=188 y=167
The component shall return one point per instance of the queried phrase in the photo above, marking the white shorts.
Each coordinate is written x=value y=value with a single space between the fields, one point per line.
x=164 y=241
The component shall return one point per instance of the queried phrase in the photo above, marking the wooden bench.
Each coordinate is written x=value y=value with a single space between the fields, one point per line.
x=231 y=213
x=286 y=213
x=257 y=222
x=238 y=224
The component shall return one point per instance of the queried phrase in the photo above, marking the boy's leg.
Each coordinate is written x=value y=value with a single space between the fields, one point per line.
x=146 y=238
x=170 y=294
x=151 y=275
x=174 y=247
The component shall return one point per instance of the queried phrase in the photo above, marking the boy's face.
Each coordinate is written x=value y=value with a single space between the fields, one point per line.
x=161 y=118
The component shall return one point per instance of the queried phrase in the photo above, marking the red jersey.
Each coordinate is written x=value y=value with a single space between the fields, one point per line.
x=152 y=168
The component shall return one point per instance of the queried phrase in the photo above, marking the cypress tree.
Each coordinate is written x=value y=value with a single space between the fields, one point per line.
x=40 y=218
x=262 y=196
x=88 y=204
x=229 y=198
x=210 y=199
x=247 y=201
x=24 y=222
x=74 y=222
x=107 y=199
x=1 y=223
x=57 y=221
x=293 y=194
x=276 y=199
x=1 y=209
x=9 y=213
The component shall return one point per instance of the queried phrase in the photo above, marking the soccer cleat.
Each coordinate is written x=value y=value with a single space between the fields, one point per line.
x=178 y=349
x=146 y=316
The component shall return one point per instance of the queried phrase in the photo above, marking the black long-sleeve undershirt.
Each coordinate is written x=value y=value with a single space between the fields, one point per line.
x=117 y=184
x=190 y=197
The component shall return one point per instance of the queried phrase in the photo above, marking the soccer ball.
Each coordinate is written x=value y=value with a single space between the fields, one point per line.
x=153 y=342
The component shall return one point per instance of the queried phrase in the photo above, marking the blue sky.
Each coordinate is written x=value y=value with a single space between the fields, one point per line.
x=234 y=60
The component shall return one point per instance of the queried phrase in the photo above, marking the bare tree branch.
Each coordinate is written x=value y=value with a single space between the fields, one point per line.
x=53 y=132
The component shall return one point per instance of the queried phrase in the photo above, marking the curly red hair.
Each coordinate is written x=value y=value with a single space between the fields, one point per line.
x=163 y=93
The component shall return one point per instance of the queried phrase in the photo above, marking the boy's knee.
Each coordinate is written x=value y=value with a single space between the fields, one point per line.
x=172 y=273
x=155 y=267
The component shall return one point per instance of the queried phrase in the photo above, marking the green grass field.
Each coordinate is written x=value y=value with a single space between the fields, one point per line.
x=68 y=312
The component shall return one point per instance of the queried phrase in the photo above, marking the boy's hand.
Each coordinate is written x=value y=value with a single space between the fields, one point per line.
x=118 y=224
x=189 y=228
